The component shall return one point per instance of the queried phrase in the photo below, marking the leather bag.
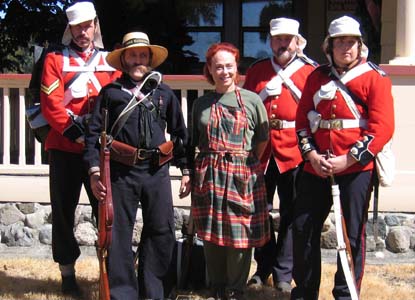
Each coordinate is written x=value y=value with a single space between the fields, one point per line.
x=37 y=123
x=123 y=153
x=385 y=165
x=165 y=152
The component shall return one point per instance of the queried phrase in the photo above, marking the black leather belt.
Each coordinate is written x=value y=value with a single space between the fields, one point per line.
x=143 y=154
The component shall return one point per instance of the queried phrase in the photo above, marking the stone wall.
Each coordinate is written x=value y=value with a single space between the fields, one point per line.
x=29 y=224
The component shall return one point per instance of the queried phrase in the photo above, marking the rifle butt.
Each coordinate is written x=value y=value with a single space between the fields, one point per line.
x=104 y=288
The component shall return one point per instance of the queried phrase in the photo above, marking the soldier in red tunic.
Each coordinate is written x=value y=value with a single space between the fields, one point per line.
x=71 y=80
x=279 y=81
x=346 y=110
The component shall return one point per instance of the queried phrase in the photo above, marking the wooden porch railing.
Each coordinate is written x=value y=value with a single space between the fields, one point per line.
x=21 y=154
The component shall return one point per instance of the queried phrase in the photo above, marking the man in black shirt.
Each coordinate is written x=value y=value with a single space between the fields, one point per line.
x=153 y=109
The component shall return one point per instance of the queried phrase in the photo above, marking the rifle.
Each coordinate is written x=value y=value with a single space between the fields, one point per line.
x=378 y=243
x=105 y=212
x=343 y=244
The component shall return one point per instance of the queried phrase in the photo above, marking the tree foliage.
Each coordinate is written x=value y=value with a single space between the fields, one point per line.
x=26 y=23
x=270 y=11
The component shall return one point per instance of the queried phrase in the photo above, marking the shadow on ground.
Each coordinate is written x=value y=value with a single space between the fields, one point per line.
x=24 y=288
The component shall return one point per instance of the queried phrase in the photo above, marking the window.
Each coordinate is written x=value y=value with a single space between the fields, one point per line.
x=244 y=23
x=255 y=25
x=203 y=21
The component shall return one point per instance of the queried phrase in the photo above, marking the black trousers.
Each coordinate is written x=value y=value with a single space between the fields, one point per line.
x=276 y=256
x=67 y=174
x=312 y=208
x=152 y=189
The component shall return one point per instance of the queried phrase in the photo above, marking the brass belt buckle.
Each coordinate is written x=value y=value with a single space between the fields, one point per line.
x=336 y=124
x=140 y=153
x=276 y=124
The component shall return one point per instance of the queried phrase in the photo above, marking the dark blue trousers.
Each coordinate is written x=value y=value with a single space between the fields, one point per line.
x=276 y=256
x=312 y=208
x=152 y=189
x=67 y=174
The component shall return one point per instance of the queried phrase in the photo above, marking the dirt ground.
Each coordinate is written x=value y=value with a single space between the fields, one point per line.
x=34 y=276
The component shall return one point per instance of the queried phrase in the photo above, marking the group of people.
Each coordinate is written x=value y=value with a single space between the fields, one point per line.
x=290 y=128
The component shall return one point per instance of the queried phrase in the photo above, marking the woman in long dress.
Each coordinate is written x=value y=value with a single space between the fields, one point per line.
x=229 y=131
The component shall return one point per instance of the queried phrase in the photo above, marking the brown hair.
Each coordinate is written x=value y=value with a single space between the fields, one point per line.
x=329 y=49
x=215 y=48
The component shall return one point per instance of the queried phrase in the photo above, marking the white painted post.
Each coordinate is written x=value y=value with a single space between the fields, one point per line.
x=6 y=126
x=22 y=127
x=405 y=33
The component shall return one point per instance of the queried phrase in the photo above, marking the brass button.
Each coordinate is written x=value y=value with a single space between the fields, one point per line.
x=334 y=106
x=273 y=116
x=274 y=106
x=333 y=116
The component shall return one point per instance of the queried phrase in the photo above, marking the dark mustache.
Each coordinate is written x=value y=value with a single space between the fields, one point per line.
x=81 y=37
x=143 y=68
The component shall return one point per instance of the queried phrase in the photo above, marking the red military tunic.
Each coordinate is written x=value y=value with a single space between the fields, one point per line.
x=78 y=98
x=282 y=144
x=364 y=140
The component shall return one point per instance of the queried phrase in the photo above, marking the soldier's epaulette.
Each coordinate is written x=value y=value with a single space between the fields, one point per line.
x=258 y=61
x=308 y=60
x=55 y=48
x=377 y=68
x=325 y=68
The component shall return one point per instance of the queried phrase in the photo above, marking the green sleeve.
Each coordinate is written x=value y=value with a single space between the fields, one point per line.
x=262 y=122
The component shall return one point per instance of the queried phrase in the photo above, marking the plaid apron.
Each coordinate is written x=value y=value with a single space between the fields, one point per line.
x=228 y=194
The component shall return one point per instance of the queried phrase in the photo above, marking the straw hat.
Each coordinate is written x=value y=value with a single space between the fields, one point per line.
x=137 y=40
x=280 y=26
x=344 y=26
x=78 y=13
